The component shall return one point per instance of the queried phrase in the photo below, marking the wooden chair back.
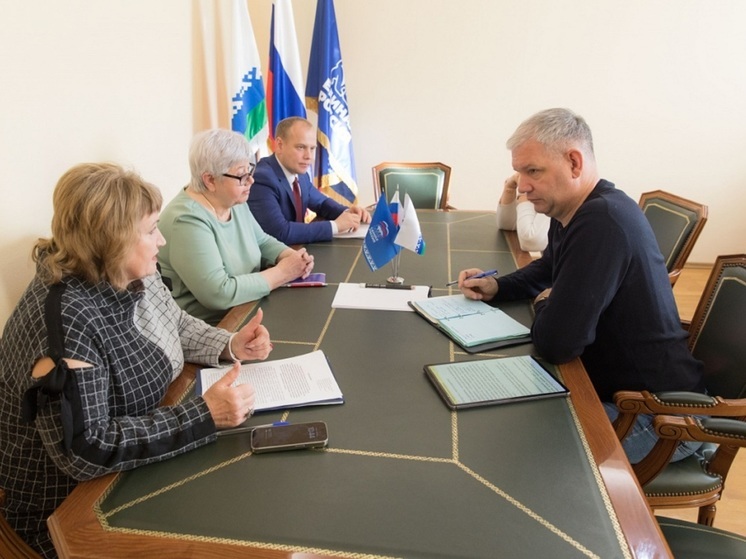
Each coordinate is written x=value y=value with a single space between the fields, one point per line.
x=426 y=183
x=677 y=224
x=715 y=335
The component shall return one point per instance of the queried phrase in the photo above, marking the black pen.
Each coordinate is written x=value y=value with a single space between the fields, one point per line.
x=389 y=286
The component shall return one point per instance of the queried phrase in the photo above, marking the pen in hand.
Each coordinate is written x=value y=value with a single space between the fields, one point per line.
x=486 y=274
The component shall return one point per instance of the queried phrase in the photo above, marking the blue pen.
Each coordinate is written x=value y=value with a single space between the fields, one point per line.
x=486 y=274
x=249 y=428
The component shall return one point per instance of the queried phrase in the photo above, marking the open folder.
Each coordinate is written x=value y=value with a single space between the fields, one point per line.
x=486 y=382
x=474 y=325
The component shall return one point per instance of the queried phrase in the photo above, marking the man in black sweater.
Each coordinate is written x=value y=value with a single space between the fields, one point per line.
x=601 y=290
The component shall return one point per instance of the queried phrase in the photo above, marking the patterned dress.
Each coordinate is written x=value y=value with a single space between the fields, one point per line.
x=136 y=342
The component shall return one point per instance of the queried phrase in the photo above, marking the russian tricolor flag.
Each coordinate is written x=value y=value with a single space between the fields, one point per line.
x=285 y=78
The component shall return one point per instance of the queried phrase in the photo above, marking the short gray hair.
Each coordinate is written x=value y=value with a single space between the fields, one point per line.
x=555 y=129
x=214 y=152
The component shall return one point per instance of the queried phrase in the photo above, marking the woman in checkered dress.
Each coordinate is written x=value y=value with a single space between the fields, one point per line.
x=89 y=351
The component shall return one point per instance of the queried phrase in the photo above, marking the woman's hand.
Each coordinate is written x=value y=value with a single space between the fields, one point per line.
x=230 y=405
x=252 y=341
x=295 y=264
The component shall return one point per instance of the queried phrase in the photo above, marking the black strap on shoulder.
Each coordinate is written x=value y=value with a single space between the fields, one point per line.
x=53 y=320
x=52 y=383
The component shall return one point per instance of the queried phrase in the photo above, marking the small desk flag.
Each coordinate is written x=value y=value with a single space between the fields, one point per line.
x=285 y=78
x=378 y=247
x=394 y=208
x=410 y=234
x=326 y=95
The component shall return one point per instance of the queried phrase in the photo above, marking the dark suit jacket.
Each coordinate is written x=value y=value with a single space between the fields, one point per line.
x=271 y=201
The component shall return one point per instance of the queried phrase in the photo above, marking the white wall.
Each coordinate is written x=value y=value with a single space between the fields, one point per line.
x=660 y=82
x=86 y=80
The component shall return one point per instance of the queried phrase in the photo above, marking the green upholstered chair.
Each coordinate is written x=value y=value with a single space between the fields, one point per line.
x=11 y=544
x=677 y=223
x=716 y=338
x=426 y=183
x=694 y=541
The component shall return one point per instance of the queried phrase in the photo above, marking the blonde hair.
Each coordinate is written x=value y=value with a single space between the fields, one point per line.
x=97 y=212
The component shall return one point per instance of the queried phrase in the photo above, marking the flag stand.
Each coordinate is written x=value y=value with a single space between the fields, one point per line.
x=395 y=278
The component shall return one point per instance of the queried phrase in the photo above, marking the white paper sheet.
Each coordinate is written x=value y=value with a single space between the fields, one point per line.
x=358 y=234
x=357 y=296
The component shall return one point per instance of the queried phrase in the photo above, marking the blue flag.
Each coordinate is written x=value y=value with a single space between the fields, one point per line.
x=378 y=247
x=326 y=94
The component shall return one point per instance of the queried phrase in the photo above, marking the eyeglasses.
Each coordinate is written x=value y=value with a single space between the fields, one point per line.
x=242 y=179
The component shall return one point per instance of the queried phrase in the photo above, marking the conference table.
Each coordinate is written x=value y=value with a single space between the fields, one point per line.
x=403 y=475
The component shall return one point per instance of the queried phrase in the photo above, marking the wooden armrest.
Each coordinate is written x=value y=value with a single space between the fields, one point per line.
x=684 y=403
x=630 y=404
x=707 y=429
x=727 y=433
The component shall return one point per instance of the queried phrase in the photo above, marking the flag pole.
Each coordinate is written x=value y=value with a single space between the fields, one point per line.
x=396 y=278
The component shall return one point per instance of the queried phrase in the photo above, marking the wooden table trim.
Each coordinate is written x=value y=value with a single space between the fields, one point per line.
x=636 y=518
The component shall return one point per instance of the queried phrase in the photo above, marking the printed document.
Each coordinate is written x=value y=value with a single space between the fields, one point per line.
x=305 y=380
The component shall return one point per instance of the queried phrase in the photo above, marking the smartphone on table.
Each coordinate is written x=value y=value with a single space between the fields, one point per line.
x=274 y=438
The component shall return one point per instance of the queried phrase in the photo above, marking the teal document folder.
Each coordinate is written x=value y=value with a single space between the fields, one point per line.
x=474 y=325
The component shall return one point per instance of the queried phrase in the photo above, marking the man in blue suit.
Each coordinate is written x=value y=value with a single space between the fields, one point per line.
x=282 y=191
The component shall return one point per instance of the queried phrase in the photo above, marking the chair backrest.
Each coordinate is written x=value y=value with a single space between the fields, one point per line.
x=694 y=541
x=676 y=222
x=426 y=183
x=715 y=335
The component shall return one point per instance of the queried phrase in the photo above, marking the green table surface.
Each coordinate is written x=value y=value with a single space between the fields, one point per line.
x=403 y=476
